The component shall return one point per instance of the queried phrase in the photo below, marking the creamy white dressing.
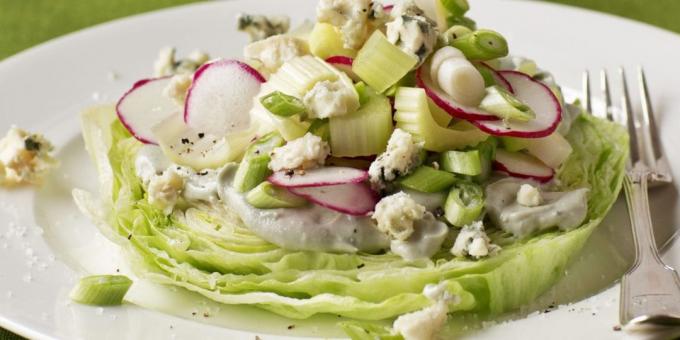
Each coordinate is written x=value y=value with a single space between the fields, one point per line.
x=312 y=228
x=426 y=240
x=431 y=201
x=565 y=210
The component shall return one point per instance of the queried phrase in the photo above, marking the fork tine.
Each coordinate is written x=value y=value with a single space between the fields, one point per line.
x=629 y=119
x=649 y=124
x=586 y=92
x=604 y=82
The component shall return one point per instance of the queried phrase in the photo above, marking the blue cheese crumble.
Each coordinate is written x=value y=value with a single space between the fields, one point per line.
x=260 y=27
x=472 y=241
x=400 y=157
x=306 y=152
x=24 y=158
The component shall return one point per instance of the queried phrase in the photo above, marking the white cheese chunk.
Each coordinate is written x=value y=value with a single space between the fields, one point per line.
x=400 y=157
x=529 y=196
x=396 y=214
x=178 y=87
x=164 y=191
x=24 y=158
x=350 y=16
x=424 y=324
x=473 y=241
x=413 y=34
x=306 y=152
x=331 y=99
x=269 y=54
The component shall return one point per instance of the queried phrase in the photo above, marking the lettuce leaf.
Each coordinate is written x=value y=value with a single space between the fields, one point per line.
x=208 y=250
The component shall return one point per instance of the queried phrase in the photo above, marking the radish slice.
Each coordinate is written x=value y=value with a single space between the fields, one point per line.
x=221 y=96
x=343 y=64
x=498 y=77
x=445 y=101
x=388 y=8
x=541 y=100
x=144 y=106
x=522 y=165
x=330 y=175
x=355 y=199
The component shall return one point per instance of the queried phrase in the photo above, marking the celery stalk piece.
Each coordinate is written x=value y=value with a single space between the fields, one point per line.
x=364 y=132
x=414 y=116
x=360 y=87
x=299 y=75
x=514 y=144
x=482 y=45
x=456 y=8
x=464 y=204
x=503 y=104
x=326 y=40
x=487 y=153
x=254 y=168
x=282 y=104
x=321 y=128
x=101 y=290
x=381 y=64
x=428 y=179
x=438 y=114
x=461 y=162
x=269 y=196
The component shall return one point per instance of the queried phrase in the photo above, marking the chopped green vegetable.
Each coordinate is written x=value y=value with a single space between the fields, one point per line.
x=464 y=204
x=461 y=162
x=454 y=32
x=428 y=179
x=361 y=91
x=381 y=64
x=101 y=290
x=254 y=168
x=482 y=45
x=503 y=104
x=514 y=144
x=461 y=21
x=321 y=128
x=413 y=115
x=456 y=8
x=297 y=76
x=283 y=105
x=487 y=153
x=269 y=196
x=487 y=74
x=326 y=40
x=364 y=132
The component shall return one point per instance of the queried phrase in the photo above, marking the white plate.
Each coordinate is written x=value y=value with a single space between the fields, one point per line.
x=45 y=243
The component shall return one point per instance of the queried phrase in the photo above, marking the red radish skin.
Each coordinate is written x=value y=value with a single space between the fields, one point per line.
x=137 y=118
x=343 y=64
x=447 y=103
x=521 y=165
x=330 y=175
x=539 y=97
x=213 y=103
x=498 y=77
x=388 y=8
x=355 y=199
x=501 y=168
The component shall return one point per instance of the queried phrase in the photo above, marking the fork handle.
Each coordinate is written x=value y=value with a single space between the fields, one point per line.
x=649 y=288
x=646 y=252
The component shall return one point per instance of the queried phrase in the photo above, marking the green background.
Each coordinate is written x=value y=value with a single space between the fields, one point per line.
x=24 y=23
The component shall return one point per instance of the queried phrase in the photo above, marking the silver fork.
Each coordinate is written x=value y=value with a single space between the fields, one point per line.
x=650 y=290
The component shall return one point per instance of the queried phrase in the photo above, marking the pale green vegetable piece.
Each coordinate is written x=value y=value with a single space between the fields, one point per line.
x=101 y=290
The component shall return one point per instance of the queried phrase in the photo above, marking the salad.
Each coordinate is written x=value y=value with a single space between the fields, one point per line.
x=394 y=165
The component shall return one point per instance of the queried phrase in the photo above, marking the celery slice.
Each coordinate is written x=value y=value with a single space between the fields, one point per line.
x=268 y=196
x=381 y=64
x=462 y=162
x=487 y=153
x=428 y=179
x=464 y=204
x=326 y=40
x=414 y=116
x=438 y=114
x=254 y=168
x=101 y=290
x=361 y=87
x=364 y=132
x=299 y=75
